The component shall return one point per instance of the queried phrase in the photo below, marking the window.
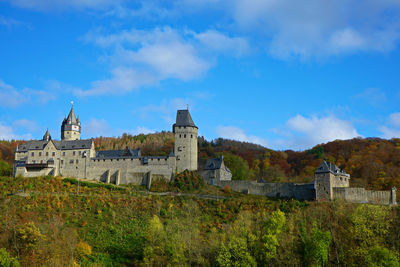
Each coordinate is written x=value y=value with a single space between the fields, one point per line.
x=71 y=161
x=64 y=153
x=33 y=154
x=73 y=153
x=41 y=161
x=40 y=154
x=191 y=136
x=33 y=161
x=62 y=162
x=77 y=161
x=47 y=154
x=80 y=153
x=54 y=153
x=180 y=136
x=184 y=136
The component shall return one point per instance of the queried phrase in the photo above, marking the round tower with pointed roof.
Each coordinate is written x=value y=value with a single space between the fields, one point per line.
x=71 y=127
x=185 y=147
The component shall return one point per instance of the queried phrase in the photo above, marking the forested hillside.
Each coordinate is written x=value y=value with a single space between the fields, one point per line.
x=371 y=162
x=49 y=224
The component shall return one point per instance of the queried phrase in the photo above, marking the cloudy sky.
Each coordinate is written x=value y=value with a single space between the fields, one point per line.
x=284 y=74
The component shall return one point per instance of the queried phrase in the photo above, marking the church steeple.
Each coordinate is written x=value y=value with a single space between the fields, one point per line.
x=71 y=127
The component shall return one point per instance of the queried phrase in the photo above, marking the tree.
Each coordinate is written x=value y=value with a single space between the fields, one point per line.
x=273 y=227
x=381 y=257
x=238 y=166
x=235 y=254
x=315 y=246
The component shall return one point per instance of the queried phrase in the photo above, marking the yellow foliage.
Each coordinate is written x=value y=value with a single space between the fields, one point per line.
x=83 y=249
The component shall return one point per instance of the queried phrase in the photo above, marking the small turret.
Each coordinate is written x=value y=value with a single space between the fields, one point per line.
x=47 y=136
x=71 y=127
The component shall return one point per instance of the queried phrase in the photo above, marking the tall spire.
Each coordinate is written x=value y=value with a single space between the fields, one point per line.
x=71 y=116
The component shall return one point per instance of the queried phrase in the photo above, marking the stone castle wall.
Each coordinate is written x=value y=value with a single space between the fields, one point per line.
x=283 y=190
x=129 y=170
x=360 y=195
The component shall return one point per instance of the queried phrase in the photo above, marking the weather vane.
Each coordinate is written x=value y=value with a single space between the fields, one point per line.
x=187 y=106
x=72 y=103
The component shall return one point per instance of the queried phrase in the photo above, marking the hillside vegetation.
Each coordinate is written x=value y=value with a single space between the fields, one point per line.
x=372 y=163
x=48 y=224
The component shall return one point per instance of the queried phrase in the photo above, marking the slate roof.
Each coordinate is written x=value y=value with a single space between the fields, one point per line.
x=60 y=145
x=330 y=167
x=183 y=118
x=47 y=136
x=127 y=152
x=215 y=164
x=71 y=117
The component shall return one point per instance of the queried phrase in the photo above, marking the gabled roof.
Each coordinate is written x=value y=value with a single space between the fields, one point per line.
x=183 y=118
x=73 y=144
x=330 y=167
x=32 y=145
x=126 y=153
x=215 y=164
x=60 y=145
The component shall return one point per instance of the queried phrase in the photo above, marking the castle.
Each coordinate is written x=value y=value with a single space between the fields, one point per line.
x=74 y=157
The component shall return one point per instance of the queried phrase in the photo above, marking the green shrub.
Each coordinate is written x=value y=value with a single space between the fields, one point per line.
x=188 y=181
x=5 y=168
x=6 y=260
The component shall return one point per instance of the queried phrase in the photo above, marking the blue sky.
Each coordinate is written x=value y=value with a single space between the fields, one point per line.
x=284 y=74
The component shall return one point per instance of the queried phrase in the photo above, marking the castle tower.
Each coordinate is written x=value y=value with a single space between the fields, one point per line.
x=185 y=141
x=71 y=127
x=326 y=177
x=47 y=136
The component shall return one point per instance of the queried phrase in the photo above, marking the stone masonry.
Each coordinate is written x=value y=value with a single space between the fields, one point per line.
x=72 y=157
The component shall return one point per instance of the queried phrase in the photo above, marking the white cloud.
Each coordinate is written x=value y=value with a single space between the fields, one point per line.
x=389 y=133
x=100 y=127
x=13 y=97
x=141 y=130
x=167 y=109
x=219 y=42
x=394 y=119
x=97 y=127
x=26 y=124
x=316 y=130
x=318 y=28
x=123 y=80
x=392 y=130
x=145 y=58
x=9 y=22
x=8 y=133
x=373 y=96
x=235 y=133
x=301 y=132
